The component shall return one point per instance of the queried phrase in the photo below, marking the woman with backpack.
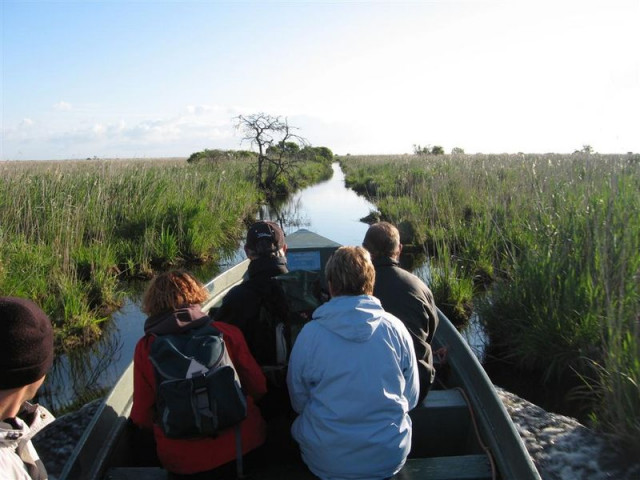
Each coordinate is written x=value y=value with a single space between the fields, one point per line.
x=172 y=302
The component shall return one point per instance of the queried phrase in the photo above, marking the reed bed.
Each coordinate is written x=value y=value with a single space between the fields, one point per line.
x=558 y=238
x=71 y=231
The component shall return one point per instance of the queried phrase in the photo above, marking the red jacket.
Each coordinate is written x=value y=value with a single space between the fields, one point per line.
x=185 y=456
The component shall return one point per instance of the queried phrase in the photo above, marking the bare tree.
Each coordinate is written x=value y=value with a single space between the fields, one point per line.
x=277 y=145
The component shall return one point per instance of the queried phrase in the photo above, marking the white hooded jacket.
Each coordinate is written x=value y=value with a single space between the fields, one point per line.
x=353 y=379
x=18 y=457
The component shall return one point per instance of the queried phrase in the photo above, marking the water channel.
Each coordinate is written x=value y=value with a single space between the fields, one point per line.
x=328 y=208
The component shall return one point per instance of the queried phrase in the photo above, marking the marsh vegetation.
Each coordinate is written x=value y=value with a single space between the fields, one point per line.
x=71 y=231
x=553 y=239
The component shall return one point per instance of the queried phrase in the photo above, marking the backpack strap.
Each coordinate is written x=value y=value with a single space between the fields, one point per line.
x=208 y=424
x=239 y=467
x=269 y=341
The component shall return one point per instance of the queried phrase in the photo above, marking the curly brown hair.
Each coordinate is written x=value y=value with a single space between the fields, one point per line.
x=172 y=290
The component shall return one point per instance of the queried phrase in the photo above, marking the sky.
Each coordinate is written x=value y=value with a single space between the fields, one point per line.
x=145 y=79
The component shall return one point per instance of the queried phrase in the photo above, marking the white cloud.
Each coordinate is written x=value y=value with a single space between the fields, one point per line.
x=62 y=106
x=201 y=109
x=26 y=123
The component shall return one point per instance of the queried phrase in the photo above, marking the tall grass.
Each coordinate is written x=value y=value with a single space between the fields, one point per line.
x=71 y=230
x=561 y=237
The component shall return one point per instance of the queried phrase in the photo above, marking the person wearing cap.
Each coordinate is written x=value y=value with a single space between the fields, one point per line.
x=26 y=355
x=404 y=295
x=243 y=307
x=266 y=248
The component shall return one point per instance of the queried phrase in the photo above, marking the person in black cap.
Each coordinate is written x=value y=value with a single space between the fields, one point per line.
x=26 y=355
x=266 y=248
x=245 y=306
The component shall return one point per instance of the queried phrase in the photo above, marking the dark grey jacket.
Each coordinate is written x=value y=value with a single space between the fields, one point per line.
x=408 y=298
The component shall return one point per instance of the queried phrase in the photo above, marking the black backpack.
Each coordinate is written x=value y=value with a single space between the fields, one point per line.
x=303 y=292
x=285 y=307
x=198 y=390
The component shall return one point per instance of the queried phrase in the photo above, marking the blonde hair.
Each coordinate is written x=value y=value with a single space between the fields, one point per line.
x=350 y=272
x=172 y=290
x=382 y=240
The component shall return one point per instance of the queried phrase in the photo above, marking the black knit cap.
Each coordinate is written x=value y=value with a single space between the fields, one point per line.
x=264 y=237
x=26 y=342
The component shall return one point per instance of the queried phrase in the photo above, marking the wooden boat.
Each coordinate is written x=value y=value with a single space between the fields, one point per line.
x=462 y=431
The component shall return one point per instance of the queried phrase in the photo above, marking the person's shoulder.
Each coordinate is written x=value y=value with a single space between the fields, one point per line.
x=239 y=293
x=394 y=324
x=227 y=329
x=311 y=329
x=405 y=273
x=409 y=278
x=144 y=344
x=236 y=290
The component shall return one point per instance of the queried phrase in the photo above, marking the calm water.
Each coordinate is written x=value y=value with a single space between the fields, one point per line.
x=327 y=208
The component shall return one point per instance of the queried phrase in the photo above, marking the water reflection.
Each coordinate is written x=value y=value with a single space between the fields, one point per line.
x=334 y=211
x=82 y=375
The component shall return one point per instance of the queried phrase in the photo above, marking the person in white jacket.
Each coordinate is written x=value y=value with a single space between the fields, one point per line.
x=26 y=355
x=353 y=379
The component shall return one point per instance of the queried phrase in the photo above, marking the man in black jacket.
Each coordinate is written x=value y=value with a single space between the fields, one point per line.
x=266 y=248
x=256 y=305
x=404 y=295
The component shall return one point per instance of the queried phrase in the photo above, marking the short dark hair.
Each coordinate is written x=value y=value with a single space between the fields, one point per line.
x=382 y=240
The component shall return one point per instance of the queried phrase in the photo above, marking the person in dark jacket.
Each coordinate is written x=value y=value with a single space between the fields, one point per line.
x=266 y=248
x=243 y=307
x=404 y=295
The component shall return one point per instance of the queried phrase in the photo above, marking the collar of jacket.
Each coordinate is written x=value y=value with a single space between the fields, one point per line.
x=267 y=267
x=177 y=321
x=385 y=262
x=31 y=419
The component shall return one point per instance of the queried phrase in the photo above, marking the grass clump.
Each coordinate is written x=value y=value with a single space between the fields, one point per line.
x=72 y=230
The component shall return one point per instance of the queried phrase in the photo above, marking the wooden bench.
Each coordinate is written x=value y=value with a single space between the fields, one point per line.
x=442 y=426
x=465 y=467
x=449 y=453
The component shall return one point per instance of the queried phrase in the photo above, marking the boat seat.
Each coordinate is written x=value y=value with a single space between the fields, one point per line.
x=136 y=473
x=275 y=472
x=444 y=423
x=463 y=467
x=447 y=451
